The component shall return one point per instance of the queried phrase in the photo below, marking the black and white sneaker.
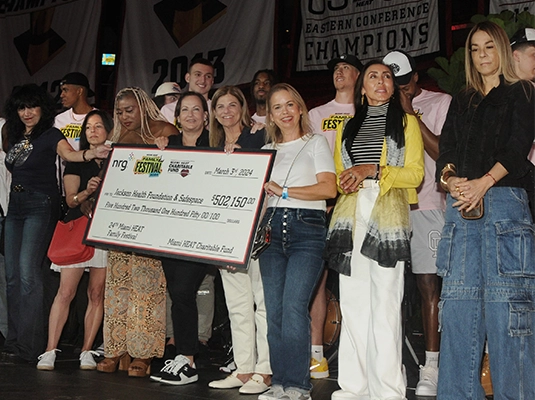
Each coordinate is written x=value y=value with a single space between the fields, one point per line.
x=178 y=372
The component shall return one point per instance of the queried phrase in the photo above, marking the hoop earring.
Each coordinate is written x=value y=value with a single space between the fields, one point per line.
x=362 y=100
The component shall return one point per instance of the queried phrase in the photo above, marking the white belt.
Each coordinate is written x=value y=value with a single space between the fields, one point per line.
x=369 y=183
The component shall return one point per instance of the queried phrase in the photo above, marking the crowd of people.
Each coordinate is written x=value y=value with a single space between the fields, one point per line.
x=385 y=174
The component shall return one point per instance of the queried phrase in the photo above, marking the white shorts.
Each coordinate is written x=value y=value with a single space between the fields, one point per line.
x=426 y=231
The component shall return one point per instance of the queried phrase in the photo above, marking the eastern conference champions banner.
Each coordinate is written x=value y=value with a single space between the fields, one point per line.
x=161 y=37
x=497 y=6
x=41 y=41
x=366 y=28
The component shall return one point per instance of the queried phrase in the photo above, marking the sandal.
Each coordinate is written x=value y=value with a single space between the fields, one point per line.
x=110 y=364
x=139 y=367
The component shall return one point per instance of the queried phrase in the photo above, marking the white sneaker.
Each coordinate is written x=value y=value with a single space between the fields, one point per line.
x=292 y=394
x=427 y=385
x=87 y=362
x=47 y=360
x=178 y=372
x=276 y=392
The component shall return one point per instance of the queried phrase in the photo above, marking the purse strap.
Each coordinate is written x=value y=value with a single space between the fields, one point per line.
x=286 y=179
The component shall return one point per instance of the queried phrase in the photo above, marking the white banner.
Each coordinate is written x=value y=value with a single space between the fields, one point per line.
x=44 y=40
x=161 y=37
x=517 y=6
x=367 y=29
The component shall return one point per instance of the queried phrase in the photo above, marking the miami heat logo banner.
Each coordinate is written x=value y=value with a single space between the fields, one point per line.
x=44 y=40
x=368 y=29
x=161 y=37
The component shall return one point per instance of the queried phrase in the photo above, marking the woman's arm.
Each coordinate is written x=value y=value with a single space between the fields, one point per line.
x=323 y=190
x=75 y=197
x=66 y=152
x=411 y=174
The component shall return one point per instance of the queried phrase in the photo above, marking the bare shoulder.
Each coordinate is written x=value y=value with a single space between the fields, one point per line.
x=161 y=128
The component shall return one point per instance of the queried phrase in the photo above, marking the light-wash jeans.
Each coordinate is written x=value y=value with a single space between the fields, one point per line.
x=488 y=291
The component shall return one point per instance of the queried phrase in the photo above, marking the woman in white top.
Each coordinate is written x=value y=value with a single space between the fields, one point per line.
x=302 y=179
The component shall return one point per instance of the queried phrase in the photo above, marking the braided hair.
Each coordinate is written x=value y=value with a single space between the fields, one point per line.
x=147 y=110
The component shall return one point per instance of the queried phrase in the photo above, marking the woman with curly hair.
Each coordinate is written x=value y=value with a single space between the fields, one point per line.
x=33 y=211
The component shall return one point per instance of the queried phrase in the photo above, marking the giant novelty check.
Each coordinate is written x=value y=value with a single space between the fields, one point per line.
x=192 y=203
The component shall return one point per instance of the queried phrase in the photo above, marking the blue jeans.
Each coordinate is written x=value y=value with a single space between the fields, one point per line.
x=488 y=266
x=30 y=223
x=290 y=268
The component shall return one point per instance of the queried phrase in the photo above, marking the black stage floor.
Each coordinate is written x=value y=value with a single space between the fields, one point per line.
x=67 y=382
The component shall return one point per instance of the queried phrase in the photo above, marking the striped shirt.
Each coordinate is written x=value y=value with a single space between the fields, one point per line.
x=368 y=143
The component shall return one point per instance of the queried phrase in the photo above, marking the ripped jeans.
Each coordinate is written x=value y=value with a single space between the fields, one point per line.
x=488 y=270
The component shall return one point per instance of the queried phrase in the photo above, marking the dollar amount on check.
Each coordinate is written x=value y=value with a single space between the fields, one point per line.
x=189 y=203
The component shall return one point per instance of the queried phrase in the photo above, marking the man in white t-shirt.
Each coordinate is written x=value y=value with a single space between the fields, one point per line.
x=200 y=79
x=75 y=90
x=326 y=118
x=262 y=82
x=427 y=217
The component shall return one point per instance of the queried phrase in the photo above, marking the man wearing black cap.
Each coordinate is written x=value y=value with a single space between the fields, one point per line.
x=326 y=119
x=523 y=47
x=75 y=90
x=427 y=217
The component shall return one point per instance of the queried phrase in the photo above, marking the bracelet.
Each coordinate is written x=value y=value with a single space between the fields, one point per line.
x=377 y=170
x=284 y=195
x=491 y=177
x=447 y=172
x=83 y=156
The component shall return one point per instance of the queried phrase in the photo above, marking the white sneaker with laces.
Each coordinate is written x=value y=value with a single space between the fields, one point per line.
x=47 y=360
x=178 y=372
x=427 y=385
x=276 y=392
x=87 y=362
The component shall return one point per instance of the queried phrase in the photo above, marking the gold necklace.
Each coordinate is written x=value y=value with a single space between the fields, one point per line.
x=74 y=118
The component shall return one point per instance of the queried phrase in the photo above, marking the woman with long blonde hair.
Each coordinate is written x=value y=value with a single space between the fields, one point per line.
x=486 y=252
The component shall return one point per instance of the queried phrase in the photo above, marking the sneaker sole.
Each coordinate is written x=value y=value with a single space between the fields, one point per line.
x=319 y=375
x=184 y=381
x=45 y=368
x=155 y=378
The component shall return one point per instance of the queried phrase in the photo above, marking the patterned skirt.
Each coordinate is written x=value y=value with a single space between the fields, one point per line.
x=134 y=306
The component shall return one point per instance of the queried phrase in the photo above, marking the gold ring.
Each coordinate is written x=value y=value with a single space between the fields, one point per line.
x=462 y=193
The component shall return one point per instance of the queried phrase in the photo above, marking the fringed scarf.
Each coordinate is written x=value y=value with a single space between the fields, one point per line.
x=387 y=240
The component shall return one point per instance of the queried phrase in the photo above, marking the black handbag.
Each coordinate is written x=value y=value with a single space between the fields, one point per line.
x=262 y=240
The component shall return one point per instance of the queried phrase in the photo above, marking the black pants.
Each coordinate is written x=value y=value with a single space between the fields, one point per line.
x=183 y=281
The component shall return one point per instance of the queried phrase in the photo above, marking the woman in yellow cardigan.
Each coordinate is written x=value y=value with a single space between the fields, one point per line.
x=379 y=164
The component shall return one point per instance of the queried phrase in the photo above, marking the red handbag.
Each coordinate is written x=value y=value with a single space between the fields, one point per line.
x=66 y=247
